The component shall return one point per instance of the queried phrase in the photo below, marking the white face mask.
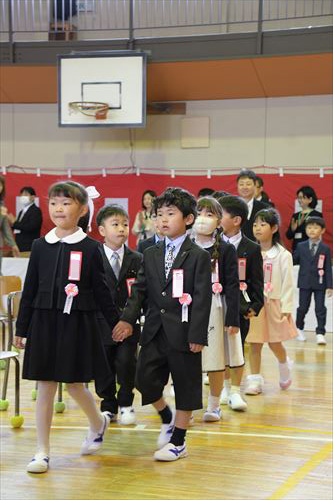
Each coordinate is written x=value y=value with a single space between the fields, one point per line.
x=24 y=200
x=204 y=225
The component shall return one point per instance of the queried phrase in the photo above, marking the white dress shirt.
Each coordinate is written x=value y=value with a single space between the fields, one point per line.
x=234 y=240
x=177 y=243
x=250 y=207
x=108 y=252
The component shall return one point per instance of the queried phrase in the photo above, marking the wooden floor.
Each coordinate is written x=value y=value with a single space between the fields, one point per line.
x=280 y=448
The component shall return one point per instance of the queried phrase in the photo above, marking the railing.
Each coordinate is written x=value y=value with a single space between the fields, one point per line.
x=157 y=17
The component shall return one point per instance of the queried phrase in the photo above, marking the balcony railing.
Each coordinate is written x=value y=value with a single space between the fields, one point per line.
x=93 y=19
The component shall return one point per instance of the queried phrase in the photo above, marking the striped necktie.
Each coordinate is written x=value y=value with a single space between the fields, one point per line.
x=169 y=258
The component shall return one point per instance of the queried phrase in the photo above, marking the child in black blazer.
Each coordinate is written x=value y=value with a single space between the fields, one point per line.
x=121 y=266
x=251 y=284
x=315 y=276
x=175 y=280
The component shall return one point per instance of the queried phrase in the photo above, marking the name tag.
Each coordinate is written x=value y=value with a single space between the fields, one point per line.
x=75 y=264
x=17 y=231
x=242 y=269
x=177 y=283
x=129 y=283
x=215 y=273
x=268 y=267
x=321 y=261
x=298 y=236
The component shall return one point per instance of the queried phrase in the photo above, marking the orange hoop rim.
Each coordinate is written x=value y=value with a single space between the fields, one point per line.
x=90 y=108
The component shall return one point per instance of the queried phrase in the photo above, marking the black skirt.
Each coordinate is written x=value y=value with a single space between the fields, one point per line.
x=64 y=347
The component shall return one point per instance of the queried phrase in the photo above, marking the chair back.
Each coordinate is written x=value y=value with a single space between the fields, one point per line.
x=8 y=284
x=13 y=303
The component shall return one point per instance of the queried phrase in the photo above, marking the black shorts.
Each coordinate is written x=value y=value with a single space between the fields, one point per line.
x=157 y=360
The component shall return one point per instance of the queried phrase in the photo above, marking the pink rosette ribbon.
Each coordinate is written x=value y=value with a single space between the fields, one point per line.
x=217 y=289
x=242 y=286
x=268 y=287
x=321 y=274
x=185 y=300
x=71 y=291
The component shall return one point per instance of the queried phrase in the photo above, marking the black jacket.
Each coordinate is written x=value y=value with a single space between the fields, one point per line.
x=250 y=251
x=143 y=244
x=247 y=228
x=29 y=228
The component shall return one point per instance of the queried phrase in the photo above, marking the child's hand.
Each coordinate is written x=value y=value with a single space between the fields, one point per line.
x=19 y=342
x=250 y=314
x=121 y=331
x=196 y=347
x=329 y=292
x=286 y=315
x=232 y=330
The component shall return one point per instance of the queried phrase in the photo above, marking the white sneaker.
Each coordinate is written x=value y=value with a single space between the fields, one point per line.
x=127 y=415
x=94 y=440
x=301 y=337
x=212 y=415
x=236 y=402
x=39 y=464
x=254 y=384
x=286 y=381
x=225 y=396
x=206 y=379
x=321 y=339
x=170 y=453
x=166 y=432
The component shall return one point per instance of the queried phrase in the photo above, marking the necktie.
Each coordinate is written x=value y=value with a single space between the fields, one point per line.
x=115 y=263
x=313 y=249
x=169 y=258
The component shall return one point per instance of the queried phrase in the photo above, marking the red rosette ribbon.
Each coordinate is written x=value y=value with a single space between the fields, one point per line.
x=185 y=300
x=242 y=286
x=268 y=287
x=321 y=272
x=71 y=291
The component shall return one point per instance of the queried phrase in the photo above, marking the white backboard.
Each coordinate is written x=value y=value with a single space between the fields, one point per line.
x=117 y=79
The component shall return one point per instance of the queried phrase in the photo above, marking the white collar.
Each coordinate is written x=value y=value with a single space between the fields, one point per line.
x=76 y=237
x=250 y=207
x=109 y=252
x=272 y=252
x=234 y=240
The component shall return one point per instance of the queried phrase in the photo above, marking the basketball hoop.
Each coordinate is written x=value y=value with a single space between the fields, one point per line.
x=97 y=109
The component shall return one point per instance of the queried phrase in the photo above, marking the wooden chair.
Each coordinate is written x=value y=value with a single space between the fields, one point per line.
x=7 y=355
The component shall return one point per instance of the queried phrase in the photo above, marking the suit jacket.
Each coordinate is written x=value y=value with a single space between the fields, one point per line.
x=143 y=244
x=247 y=228
x=308 y=276
x=129 y=269
x=165 y=311
x=29 y=228
x=47 y=276
x=254 y=275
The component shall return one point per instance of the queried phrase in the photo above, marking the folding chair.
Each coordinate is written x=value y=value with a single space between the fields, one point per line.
x=7 y=284
x=7 y=355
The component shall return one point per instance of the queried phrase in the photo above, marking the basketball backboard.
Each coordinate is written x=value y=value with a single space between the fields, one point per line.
x=86 y=80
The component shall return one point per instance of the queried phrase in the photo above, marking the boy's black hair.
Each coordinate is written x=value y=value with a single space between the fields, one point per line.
x=260 y=181
x=148 y=191
x=272 y=217
x=219 y=194
x=109 y=211
x=29 y=190
x=205 y=192
x=235 y=206
x=315 y=220
x=249 y=174
x=309 y=192
x=69 y=189
x=180 y=198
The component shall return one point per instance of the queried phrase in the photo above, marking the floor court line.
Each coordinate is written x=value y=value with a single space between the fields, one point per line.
x=298 y=475
x=192 y=431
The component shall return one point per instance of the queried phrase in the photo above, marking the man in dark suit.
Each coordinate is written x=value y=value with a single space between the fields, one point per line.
x=29 y=221
x=315 y=276
x=121 y=267
x=250 y=271
x=261 y=195
x=246 y=186
x=175 y=280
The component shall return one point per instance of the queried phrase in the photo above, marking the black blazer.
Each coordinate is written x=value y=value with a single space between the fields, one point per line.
x=308 y=276
x=30 y=227
x=165 y=311
x=250 y=251
x=228 y=277
x=143 y=244
x=247 y=228
x=47 y=276
x=301 y=229
x=119 y=292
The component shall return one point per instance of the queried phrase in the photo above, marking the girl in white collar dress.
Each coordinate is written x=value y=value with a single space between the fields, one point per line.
x=274 y=324
x=64 y=287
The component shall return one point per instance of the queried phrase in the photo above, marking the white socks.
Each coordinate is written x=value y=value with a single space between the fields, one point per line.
x=285 y=370
x=213 y=402
x=235 y=389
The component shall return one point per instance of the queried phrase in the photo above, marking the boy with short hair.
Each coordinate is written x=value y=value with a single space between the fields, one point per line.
x=315 y=276
x=250 y=270
x=175 y=282
x=121 y=267
x=246 y=186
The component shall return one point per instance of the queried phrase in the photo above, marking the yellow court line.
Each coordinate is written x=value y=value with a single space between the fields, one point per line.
x=297 y=476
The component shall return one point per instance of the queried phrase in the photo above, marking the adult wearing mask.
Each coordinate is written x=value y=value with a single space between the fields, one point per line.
x=28 y=223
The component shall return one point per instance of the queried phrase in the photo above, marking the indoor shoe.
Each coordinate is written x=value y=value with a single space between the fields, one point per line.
x=225 y=396
x=321 y=339
x=94 y=440
x=206 y=380
x=127 y=415
x=39 y=464
x=166 y=432
x=254 y=385
x=236 y=402
x=285 y=381
x=170 y=453
x=212 y=415
x=301 y=337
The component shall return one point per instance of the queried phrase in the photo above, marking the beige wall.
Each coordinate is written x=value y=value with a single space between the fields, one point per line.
x=293 y=131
